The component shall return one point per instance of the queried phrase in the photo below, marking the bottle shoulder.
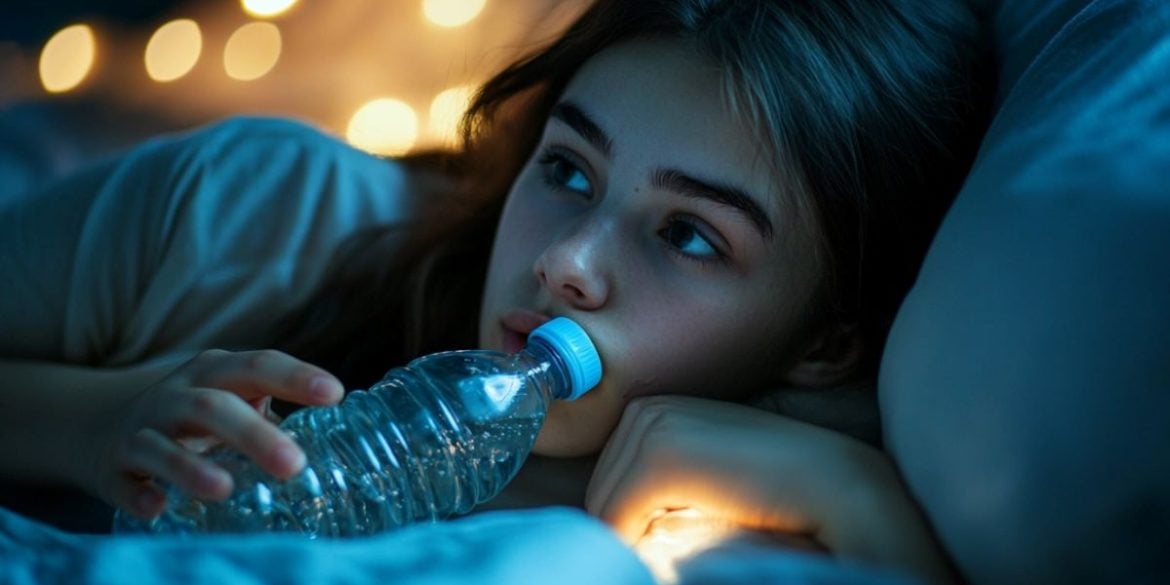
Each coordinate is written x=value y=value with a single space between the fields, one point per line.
x=463 y=362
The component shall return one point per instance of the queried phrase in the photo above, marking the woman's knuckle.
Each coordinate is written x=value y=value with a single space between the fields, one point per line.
x=207 y=358
x=211 y=354
x=651 y=410
x=256 y=434
x=264 y=359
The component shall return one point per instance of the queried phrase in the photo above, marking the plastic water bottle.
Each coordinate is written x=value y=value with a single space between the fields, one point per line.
x=429 y=441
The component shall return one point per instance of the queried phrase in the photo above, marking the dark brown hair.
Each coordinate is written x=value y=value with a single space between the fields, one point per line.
x=872 y=108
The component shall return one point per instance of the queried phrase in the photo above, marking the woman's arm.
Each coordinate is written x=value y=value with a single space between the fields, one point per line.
x=184 y=243
x=765 y=472
x=114 y=432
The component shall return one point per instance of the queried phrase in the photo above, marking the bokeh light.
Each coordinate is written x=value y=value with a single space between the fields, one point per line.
x=252 y=51
x=173 y=50
x=186 y=64
x=67 y=58
x=266 y=8
x=446 y=110
x=383 y=126
x=451 y=13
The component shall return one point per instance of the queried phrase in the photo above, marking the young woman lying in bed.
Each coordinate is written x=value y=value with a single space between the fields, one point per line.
x=731 y=197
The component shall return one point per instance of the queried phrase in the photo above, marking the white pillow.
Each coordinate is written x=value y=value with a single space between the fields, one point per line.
x=1025 y=390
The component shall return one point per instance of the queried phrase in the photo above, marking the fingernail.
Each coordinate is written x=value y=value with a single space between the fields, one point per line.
x=322 y=389
x=290 y=457
x=211 y=479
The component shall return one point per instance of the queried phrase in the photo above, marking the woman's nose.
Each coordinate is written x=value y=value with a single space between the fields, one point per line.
x=572 y=268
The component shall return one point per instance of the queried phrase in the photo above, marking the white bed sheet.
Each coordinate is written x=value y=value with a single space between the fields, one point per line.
x=548 y=545
x=508 y=547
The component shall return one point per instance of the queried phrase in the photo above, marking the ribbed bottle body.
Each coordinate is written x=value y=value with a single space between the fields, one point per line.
x=429 y=441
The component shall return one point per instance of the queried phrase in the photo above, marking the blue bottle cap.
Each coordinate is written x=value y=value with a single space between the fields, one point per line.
x=571 y=342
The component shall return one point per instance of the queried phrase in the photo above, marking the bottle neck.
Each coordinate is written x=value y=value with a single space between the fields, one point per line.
x=550 y=365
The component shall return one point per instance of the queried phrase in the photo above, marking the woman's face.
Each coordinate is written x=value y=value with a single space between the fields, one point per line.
x=649 y=215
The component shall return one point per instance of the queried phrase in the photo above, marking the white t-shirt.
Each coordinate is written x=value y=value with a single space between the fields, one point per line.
x=200 y=240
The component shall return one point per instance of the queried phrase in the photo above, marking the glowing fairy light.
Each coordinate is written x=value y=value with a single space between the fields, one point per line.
x=446 y=110
x=450 y=13
x=67 y=58
x=173 y=50
x=383 y=126
x=266 y=8
x=252 y=51
x=676 y=535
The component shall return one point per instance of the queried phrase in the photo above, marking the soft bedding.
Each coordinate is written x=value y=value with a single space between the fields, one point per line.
x=516 y=547
x=549 y=545
x=1025 y=386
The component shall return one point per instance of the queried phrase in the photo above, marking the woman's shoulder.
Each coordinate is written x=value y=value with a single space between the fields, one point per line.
x=266 y=146
x=242 y=219
x=247 y=132
x=236 y=128
x=256 y=169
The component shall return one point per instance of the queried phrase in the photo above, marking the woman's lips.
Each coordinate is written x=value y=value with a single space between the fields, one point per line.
x=516 y=326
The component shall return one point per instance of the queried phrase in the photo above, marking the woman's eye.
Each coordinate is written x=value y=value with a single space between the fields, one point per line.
x=560 y=172
x=687 y=239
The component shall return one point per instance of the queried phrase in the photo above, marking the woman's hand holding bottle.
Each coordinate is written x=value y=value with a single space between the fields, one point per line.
x=216 y=397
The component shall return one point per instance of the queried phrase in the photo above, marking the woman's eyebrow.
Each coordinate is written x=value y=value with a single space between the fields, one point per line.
x=576 y=118
x=670 y=179
x=679 y=182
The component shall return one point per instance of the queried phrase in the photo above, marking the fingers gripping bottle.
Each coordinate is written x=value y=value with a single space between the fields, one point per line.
x=430 y=440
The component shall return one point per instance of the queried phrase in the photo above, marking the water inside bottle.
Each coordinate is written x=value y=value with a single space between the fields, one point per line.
x=406 y=451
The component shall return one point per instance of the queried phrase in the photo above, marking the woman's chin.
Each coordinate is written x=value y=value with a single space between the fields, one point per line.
x=577 y=428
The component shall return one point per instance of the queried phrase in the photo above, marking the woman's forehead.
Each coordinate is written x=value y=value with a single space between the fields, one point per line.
x=661 y=103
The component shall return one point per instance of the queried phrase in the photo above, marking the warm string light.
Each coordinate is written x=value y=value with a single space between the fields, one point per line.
x=266 y=8
x=446 y=111
x=252 y=51
x=67 y=58
x=451 y=13
x=383 y=126
x=173 y=50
